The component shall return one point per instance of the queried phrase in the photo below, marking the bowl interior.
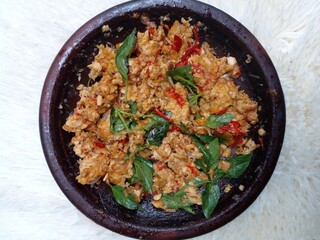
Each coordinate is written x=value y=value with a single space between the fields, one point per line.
x=227 y=37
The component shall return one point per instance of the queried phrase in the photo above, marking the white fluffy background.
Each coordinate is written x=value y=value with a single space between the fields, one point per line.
x=31 y=204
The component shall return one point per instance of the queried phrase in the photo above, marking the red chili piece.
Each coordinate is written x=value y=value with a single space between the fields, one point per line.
x=177 y=43
x=195 y=33
x=232 y=127
x=204 y=86
x=236 y=140
x=160 y=165
x=151 y=31
x=98 y=144
x=196 y=68
x=161 y=114
x=176 y=96
x=201 y=88
x=176 y=185
x=174 y=128
x=193 y=170
x=194 y=49
x=147 y=193
x=124 y=140
x=222 y=111
x=152 y=159
x=138 y=52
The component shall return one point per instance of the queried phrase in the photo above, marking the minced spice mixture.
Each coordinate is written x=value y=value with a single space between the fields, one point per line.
x=162 y=116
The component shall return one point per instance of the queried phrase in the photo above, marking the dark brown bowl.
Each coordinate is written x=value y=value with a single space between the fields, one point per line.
x=259 y=79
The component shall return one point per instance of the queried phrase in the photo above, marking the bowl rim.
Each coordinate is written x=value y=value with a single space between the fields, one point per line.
x=45 y=119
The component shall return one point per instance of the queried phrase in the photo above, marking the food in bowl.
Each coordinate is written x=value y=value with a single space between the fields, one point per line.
x=162 y=116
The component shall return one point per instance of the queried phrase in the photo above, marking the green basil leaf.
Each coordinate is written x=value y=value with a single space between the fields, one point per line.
x=157 y=134
x=124 y=198
x=180 y=193
x=210 y=198
x=214 y=151
x=238 y=165
x=198 y=116
x=167 y=113
x=156 y=120
x=115 y=122
x=188 y=209
x=176 y=200
x=133 y=107
x=201 y=163
x=211 y=154
x=119 y=122
x=184 y=129
x=124 y=52
x=170 y=201
x=143 y=171
x=202 y=149
x=134 y=179
x=184 y=76
x=131 y=123
x=193 y=100
x=118 y=125
x=215 y=121
x=206 y=138
x=127 y=156
x=198 y=181
x=218 y=173
x=139 y=148
x=90 y=82
x=145 y=161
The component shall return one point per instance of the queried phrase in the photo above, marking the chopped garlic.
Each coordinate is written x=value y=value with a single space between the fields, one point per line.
x=227 y=188
x=99 y=100
x=105 y=28
x=261 y=132
x=231 y=61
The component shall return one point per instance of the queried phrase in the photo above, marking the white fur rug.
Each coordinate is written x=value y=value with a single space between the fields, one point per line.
x=31 y=204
